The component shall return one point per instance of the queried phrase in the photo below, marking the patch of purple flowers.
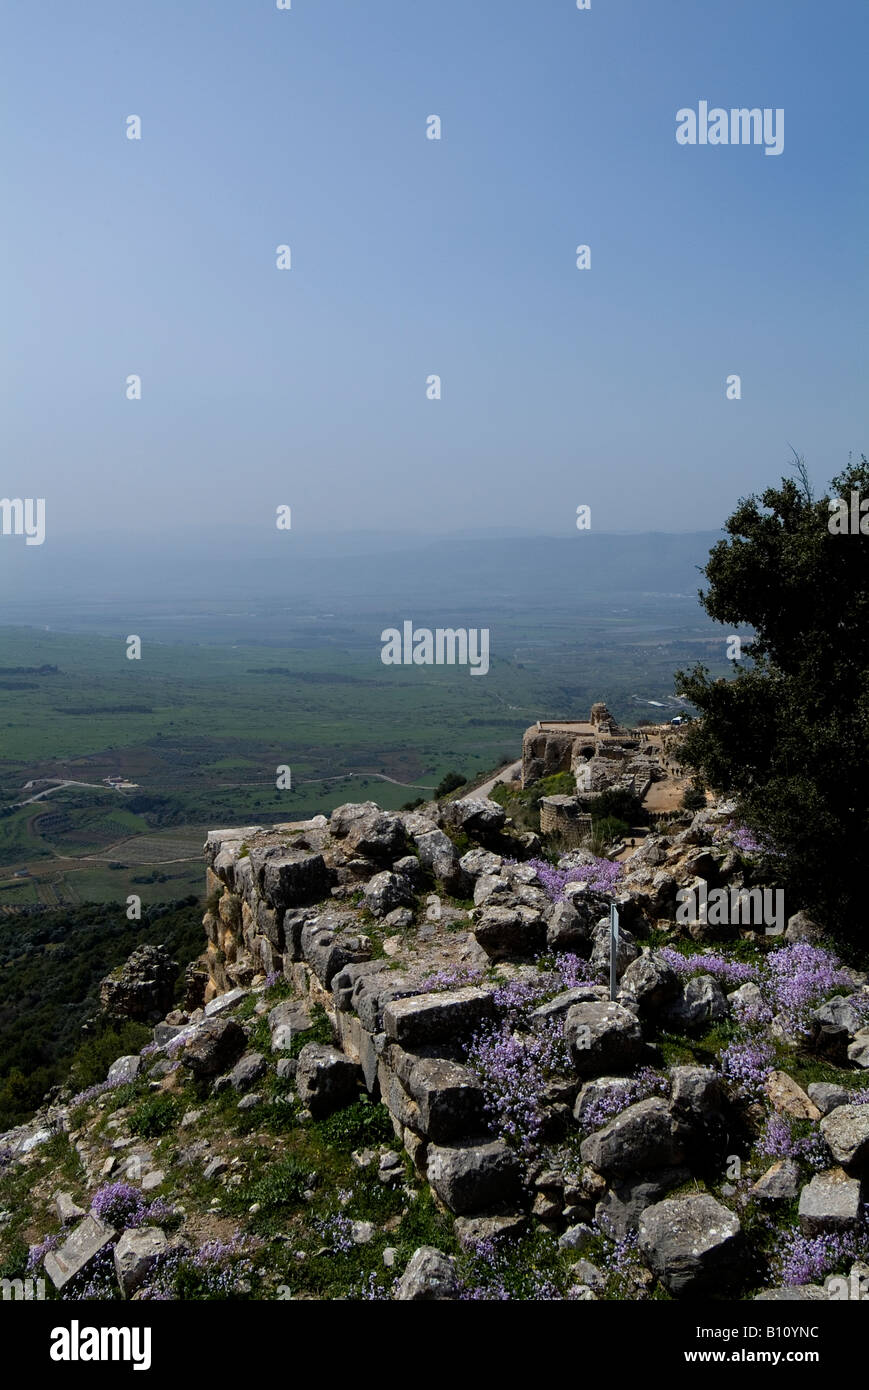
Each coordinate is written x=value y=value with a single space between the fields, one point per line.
x=797 y=978
x=801 y=1259
x=99 y=1089
x=617 y=1098
x=37 y=1253
x=451 y=977
x=121 y=1205
x=778 y=1140
x=599 y=876
x=337 y=1231
x=732 y=972
x=573 y=971
x=516 y=997
x=513 y=1070
x=487 y=1271
x=220 y=1265
x=748 y=842
x=748 y=1064
x=96 y=1281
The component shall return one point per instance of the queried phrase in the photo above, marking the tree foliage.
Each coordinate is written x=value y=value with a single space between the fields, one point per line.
x=789 y=735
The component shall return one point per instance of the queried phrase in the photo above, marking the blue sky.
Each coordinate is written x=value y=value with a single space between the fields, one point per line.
x=413 y=257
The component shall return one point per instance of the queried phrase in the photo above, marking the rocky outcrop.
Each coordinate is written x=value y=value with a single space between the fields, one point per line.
x=339 y=973
x=142 y=988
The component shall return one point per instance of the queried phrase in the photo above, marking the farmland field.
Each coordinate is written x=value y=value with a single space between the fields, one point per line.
x=226 y=694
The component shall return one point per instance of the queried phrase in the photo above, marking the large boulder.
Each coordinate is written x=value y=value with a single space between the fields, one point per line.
x=328 y=949
x=247 y=1070
x=286 y=1020
x=368 y=831
x=470 y=1177
x=438 y=854
x=858 y=1050
x=787 y=1097
x=696 y=1108
x=827 y=1096
x=692 y=1243
x=598 y=1095
x=125 y=1069
x=801 y=927
x=478 y=863
x=835 y=1022
x=448 y=1097
x=626 y=951
x=780 y=1182
x=642 y=1136
x=651 y=981
x=430 y=1276
x=700 y=1003
x=344 y=983
x=371 y=994
x=142 y=988
x=290 y=877
x=214 y=1047
x=387 y=891
x=326 y=1080
x=136 y=1254
x=830 y=1202
x=603 y=1037
x=846 y=1130
x=475 y=815
x=619 y=1210
x=510 y=931
x=562 y=1003
x=568 y=927
x=418 y=1020
x=78 y=1250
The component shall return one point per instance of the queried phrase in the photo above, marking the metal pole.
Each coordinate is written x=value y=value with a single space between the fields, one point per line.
x=614 y=949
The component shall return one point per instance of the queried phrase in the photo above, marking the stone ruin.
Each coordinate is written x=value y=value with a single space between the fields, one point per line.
x=407 y=945
x=601 y=755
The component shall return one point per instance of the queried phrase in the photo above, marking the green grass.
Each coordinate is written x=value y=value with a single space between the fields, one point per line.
x=205 y=725
x=155 y=1117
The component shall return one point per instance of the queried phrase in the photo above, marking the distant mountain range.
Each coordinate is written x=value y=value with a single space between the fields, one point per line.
x=364 y=569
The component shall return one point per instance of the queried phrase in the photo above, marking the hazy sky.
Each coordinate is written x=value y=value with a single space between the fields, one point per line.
x=412 y=256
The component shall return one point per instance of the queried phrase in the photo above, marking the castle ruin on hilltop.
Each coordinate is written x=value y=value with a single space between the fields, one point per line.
x=600 y=753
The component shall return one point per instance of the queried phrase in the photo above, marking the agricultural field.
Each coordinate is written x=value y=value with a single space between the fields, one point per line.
x=201 y=728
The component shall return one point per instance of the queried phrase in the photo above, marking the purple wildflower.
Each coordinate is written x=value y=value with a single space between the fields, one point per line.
x=803 y=1259
x=748 y=842
x=709 y=963
x=777 y=1140
x=37 y=1253
x=617 y=1098
x=451 y=977
x=99 y=1089
x=748 y=1064
x=513 y=1070
x=122 y=1205
x=599 y=876
x=572 y=970
x=796 y=980
x=337 y=1231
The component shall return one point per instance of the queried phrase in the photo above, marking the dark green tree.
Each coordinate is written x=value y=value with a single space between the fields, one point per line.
x=788 y=737
x=450 y=783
